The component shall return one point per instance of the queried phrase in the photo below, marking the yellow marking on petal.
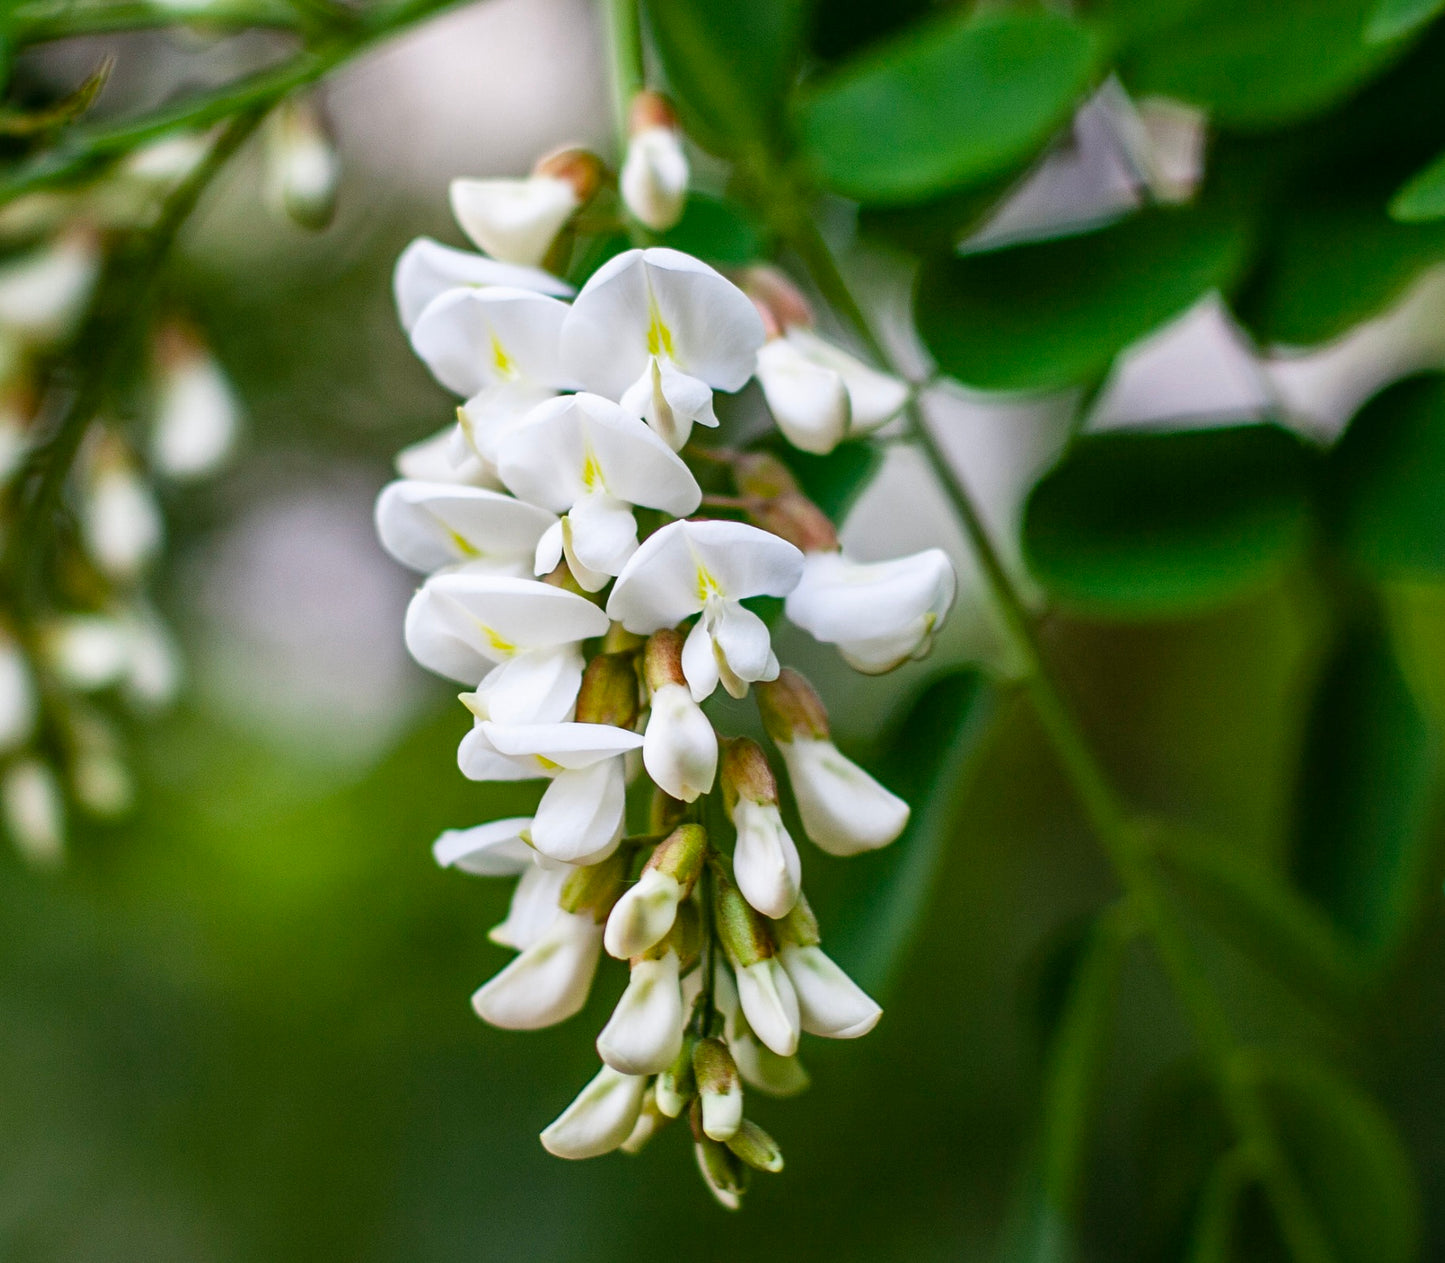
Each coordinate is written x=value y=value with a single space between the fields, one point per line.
x=547 y=764
x=462 y=545
x=707 y=585
x=592 y=472
x=659 y=336
x=505 y=365
x=496 y=641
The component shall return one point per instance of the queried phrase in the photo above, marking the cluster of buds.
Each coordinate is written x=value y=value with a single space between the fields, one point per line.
x=592 y=614
x=88 y=645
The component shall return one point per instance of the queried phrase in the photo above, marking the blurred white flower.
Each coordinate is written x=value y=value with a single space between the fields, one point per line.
x=655 y=172
x=193 y=428
x=34 y=811
x=43 y=293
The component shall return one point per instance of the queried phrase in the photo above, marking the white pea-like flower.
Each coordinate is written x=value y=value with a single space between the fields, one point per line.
x=538 y=687
x=431 y=526
x=844 y=810
x=515 y=221
x=587 y=458
x=460 y=625
x=120 y=521
x=643 y=915
x=709 y=568
x=879 y=614
x=549 y=981
x=445 y=456
x=679 y=748
x=600 y=1119
x=655 y=172
x=761 y=1068
x=495 y=849
x=579 y=820
x=830 y=1003
x=533 y=906
x=766 y=863
x=644 y=1034
x=197 y=414
x=769 y=1002
x=428 y=269
x=659 y=331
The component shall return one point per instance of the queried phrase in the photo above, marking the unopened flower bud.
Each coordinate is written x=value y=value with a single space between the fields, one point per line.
x=795 y=518
x=809 y=401
x=774 y=292
x=302 y=167
x=34 y=811
x=791 y=708
x=719 y=1088
x=516 y=221
x=595 y=888
x=609 y=691
x=655 y=172
x=601 y=1118
x=761 y=1068
x=676 y=1086
x=17 y=694
x=43 y=293
x=724 y=1174
x=120 y=520
x=844 y=810
x=548 y=982
x=830 y=1003
x=762 y=475
x=755 y=1147
x=680 y=749
x=646 y=912
x=196 y=411
x=770 y=1004
x=644 y=1034
x=98 y=776
x=650 y=1120
x=765 y=862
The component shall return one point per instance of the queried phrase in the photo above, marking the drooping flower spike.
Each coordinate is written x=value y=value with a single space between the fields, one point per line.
x=573 y=462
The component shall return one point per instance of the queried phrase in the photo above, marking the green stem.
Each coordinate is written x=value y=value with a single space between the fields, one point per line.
x=39 y=23
x=1122 y=836
x=624 y=48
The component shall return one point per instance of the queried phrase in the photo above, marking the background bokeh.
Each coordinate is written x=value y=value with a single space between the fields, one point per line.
x=235 y=1026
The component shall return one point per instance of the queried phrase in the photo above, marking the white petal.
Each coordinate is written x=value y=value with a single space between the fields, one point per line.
x=874 y=397
x=601 y=534
x=679 y=748
x=766 y=863
x=581 y=445
x=472 y=339
x=643 y=915
x=844 y=810
x=660 y=302
x=644 y=1034
x=427 y=268
x=428 y=525
x=808 y=401
x=17 y=695
x=770 y=1005
x=700 y=665
x=435 y=459
x=670 y=401
x=43 y=293
x=488 y=850
x=569 y=746
x=539 y=687
x=121 y=522
x=196 y=418
x=479 y=760
x=88 y=651
x=34 y=811
x=548 y=982
x=654 y=177
x=488 y=417
x=679 y=567
x=829 y=1002
x=742 y=644
x=600 y=1119
x=534 y=905
x=579 y=820
x=513 y=220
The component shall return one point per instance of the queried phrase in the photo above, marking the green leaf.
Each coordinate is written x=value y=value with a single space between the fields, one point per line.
x=718 y=231
x=1218 y=1206
x=1422 y=198
x=1263 y=915
x=1346 y=1155
x=953 y=103
x=1385 y=479
x=729 y=64
x=1330 y=265
x=1129 y=21
x=1394 y=18
x=1139 y=525
x=1056 y=313
x=1361 y=830
x=885 y=895
x=1261 y=65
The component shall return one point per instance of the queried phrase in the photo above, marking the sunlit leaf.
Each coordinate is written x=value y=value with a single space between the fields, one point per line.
x=1256 y=65
x=1385 y=478
x=1362 y=799
x=954 y=103
x=884 y=896
x=1137 y=525
x=1056 y=313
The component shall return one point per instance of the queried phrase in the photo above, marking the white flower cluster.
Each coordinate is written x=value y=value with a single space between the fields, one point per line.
x=87 y=638
x=591 y=618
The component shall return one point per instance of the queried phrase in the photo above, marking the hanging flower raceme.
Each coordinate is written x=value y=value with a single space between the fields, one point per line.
x=679 y=862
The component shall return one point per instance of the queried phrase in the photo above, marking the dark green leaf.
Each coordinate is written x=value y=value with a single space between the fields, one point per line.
x=1263 y=915
x=843 y=27
x=1127 y=21
x=1331 y=265
x=1138 y=525
x=1218 y=1206
x=1056 y=313
x=957 y=102
x=833 y=482
x=1385 y=479
x=1362 y=800
x=1184 y=1135
x=1255 y=65
x=1423 y=197
x=1354 y=1171
x=717 y=231
x=1394 y=18
x=885 y=895
x=729 y=64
